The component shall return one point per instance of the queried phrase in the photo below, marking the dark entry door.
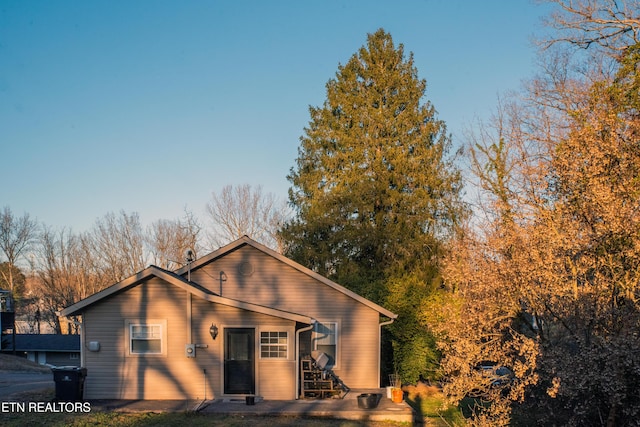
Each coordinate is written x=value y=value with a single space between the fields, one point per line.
x=239 y=366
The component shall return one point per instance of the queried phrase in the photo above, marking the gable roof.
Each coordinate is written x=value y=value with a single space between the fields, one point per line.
x=247 y=241
x=181 y=282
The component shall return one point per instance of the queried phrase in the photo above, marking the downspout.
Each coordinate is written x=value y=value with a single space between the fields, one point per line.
x=189 y=338
x=297 y=359
x=380 y=325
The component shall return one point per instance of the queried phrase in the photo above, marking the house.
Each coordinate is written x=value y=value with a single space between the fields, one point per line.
x=231 y=324
x=47 y=349
x=7 y=319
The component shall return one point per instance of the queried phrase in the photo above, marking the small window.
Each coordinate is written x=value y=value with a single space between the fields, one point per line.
x=274 y=345
x=146 y=339
x=325 y=339
x=74 y=356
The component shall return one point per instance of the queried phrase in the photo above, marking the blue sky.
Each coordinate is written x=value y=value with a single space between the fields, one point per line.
x=150 y=106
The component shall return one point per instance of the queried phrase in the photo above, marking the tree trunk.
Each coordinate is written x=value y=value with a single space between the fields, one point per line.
x=611 y=419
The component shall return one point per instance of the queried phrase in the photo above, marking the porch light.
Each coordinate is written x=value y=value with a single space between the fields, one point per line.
x=213 y=331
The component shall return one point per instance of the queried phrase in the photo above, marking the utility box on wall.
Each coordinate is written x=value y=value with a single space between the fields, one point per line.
x=190 y=350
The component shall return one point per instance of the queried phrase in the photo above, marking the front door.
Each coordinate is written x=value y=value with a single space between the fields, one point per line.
x=239 y=366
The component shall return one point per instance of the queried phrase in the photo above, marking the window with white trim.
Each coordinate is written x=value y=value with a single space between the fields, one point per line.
x=145 y=338
x=325 y=339
x=274 y=345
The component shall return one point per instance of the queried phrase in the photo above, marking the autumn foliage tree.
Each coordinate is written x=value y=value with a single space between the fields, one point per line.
x=596 y=214
x=548 y=285
x=374 y=191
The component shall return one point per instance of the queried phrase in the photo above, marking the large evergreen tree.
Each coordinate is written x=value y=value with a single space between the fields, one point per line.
x=373 y=187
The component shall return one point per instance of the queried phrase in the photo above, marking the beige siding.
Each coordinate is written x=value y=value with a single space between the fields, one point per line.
x=251 y=276
x=274 y=379
x=274 y=284
x=113 y=373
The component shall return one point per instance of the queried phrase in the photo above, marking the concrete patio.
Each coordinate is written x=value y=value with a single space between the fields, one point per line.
x=346 y=408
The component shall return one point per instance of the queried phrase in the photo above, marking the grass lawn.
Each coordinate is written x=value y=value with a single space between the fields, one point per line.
x=149 y=419
x=12 y=363
x=178 y=419
x=433 y=412
x=168 y=419
x=427 y=404
x=430 y=407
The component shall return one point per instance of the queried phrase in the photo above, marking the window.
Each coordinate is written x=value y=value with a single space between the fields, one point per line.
x=325 y=339
x=274 y=345
x=145 y=337
x=74 y=356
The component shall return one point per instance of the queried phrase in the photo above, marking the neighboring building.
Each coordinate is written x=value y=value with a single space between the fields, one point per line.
x=48 y=349
x=233 y=323
x=30 y=327
x=7 y=319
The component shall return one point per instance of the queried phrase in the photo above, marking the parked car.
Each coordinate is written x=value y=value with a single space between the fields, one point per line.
x=494 y=376
x=499 y=375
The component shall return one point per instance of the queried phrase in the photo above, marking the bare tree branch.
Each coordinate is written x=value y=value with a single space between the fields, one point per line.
x=246 y=210
x=608 y=24
x=169 y=240
x=17 y=235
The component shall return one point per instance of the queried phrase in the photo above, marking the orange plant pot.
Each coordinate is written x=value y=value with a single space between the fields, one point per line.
x=397 y=395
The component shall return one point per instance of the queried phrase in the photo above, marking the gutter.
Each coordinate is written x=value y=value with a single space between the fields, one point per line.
x=380 y=325
x=297 y=358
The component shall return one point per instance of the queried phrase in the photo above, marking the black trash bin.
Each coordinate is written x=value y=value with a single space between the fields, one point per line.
x=69 y=383
x=368 y=400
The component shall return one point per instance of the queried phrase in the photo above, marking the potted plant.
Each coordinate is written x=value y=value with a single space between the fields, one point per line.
x=396 y=388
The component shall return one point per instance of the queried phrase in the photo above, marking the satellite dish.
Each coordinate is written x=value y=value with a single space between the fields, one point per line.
x=190 y=256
